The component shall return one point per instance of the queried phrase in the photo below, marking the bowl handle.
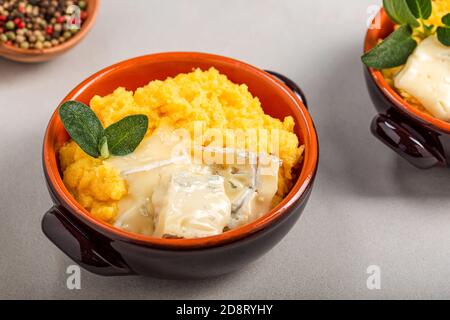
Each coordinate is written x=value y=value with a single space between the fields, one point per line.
x=75 y=241
x=291 y=85
x=408 y=143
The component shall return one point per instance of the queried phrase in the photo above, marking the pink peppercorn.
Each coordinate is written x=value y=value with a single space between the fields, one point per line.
x=22 y=8
x=83 y=15
x=49 y=30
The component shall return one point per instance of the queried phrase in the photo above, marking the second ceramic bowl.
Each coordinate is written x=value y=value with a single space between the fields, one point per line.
x=106 y=250
x=421 y=139
x=36 y=55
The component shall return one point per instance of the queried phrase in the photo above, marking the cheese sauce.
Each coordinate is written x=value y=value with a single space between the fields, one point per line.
x=426 y=76
x=171 y=195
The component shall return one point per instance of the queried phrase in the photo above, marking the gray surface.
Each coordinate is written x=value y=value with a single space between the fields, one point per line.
x=368 y=207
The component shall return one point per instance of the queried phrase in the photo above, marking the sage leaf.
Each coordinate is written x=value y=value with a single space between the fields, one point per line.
x=103 y=148
x=124 y=136
x=446 y=20
x=421 y=9
x=399 y=12
x=428 y=28
x=82 y=125
x=443 y=33
x=393 y=51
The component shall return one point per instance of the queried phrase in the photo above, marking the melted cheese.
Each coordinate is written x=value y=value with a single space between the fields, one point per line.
x=426 y=76
x=170 y=195
x=257 y=198
x=192 y=205
x=154 y=161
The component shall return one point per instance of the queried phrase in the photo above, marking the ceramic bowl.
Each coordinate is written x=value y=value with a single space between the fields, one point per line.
x=36 y=55
x=421 y=139
x=106 y=250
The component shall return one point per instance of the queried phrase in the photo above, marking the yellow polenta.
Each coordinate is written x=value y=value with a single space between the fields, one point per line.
x=179 y=102
x=440 y=9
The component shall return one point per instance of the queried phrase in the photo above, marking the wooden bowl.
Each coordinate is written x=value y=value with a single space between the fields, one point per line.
x=40 y=55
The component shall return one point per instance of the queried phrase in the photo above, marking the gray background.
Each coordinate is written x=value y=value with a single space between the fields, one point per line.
x=368 y=206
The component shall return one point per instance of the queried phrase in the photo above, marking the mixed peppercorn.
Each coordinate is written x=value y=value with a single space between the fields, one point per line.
x=39 y=24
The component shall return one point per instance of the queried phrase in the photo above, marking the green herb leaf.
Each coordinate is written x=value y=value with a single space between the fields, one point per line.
x=446 y=20
x=428 y=28
x=82 y=125
x=443 y=33
x=421 y=9
x=125 y=135
x=393 y=51
x=399 y=12
x=103 y=148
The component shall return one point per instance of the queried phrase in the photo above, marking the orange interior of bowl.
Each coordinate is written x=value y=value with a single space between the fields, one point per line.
x=372 y=38
x=277 y=100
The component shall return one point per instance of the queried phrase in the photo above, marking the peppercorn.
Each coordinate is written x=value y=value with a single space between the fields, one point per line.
x=10 y=25
x=39 y=45
x=11 y=35
x=21 y=8
x=24 y=45
x=20 y=39
x=49 y=30
x=82 y=5
x=38 y=24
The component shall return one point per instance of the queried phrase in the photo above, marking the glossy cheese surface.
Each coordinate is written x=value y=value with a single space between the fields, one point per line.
x=426 y=76
x=191 y=205
x=172 y=195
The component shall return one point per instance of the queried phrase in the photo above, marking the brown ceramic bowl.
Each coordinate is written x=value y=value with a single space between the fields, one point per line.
x=104 y=249
x=416 y=136
x=36 y=55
